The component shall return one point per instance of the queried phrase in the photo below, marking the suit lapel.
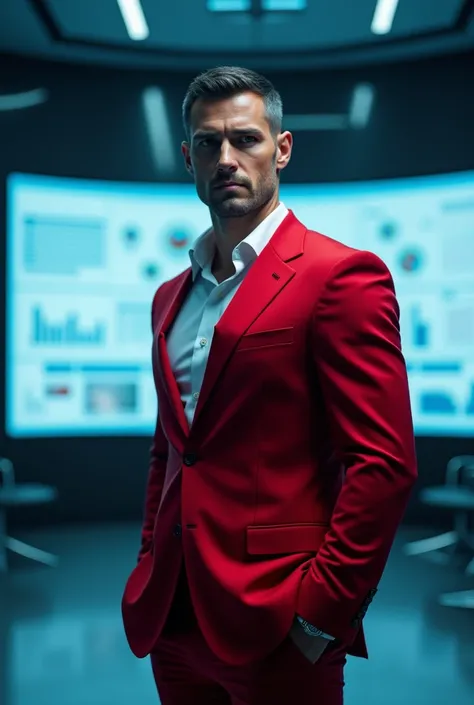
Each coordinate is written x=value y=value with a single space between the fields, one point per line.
x=268 y=275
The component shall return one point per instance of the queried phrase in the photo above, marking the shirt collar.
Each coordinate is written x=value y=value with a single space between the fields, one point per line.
x=202 y=253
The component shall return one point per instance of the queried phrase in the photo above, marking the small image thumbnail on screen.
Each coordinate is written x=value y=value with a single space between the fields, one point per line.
x=110 y=398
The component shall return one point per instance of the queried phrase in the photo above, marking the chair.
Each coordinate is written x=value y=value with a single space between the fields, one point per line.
x=456 y=496
x=21 y=495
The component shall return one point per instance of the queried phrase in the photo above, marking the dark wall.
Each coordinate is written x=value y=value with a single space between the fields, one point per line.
x=93 y=127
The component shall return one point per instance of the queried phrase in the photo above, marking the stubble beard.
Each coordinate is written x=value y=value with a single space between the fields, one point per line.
x=235 y=207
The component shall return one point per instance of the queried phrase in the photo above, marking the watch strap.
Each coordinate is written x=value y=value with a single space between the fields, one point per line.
x=311 y=630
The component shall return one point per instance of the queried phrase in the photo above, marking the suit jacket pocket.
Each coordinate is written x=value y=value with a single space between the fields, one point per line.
x=266 y=339
x=285 y=538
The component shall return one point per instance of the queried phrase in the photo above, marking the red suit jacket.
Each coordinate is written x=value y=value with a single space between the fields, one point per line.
x=285 y=495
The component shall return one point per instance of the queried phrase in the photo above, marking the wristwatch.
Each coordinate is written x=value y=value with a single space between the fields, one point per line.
x=312 y=631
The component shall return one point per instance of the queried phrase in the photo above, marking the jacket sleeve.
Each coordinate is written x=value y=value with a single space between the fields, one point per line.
x=363 y=379
x=156 y=473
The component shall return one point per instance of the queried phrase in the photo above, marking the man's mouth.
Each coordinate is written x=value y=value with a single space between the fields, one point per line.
x=227 y=185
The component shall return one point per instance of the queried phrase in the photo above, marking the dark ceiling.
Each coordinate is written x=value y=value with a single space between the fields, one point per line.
x=186 y=34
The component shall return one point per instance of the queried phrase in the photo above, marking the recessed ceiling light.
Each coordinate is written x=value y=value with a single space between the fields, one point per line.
x=283 y=5
x=262 y=6
x=229 y=5
x=134 y=19
x=383 y=16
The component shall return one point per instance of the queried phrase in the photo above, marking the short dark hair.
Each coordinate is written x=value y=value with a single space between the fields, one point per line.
x=228 y=81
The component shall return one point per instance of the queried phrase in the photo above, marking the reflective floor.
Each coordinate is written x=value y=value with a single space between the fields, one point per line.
x=61 y=638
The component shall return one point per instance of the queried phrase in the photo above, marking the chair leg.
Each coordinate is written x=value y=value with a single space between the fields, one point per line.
x=34 y=554
x=434 y=543
x=463 y=600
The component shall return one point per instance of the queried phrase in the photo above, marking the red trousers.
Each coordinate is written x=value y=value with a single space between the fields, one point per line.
x=187 y=672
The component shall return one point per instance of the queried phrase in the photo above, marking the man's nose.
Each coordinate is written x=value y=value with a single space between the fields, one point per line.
x=227 y=160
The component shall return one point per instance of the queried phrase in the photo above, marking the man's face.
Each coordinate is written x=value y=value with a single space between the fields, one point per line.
x=233 y=156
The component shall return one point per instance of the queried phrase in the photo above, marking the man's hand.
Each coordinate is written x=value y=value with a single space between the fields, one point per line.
x=312 y=647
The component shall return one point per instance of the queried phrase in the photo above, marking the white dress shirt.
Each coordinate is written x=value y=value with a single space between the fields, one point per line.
x=189 y=340
x=190 y=337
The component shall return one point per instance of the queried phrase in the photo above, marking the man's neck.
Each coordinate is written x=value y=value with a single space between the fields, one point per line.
x=228 y=232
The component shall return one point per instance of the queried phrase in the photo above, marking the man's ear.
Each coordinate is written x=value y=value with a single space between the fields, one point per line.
x=187 y=157
x=285 y=146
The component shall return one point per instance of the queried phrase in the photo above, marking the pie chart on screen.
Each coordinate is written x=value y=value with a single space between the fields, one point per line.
x=179 y=238
x=411 y=261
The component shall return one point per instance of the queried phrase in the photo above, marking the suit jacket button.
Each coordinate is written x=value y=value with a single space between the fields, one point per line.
x=178 y=531
x=190 y=459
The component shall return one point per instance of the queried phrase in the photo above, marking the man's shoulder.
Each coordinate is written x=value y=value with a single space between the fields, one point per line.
x=320 y=243
x=325 y=252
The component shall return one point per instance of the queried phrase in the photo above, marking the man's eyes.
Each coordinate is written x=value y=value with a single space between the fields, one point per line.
x=244 y=139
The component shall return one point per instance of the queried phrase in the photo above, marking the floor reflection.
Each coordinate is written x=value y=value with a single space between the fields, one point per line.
x=62 y=642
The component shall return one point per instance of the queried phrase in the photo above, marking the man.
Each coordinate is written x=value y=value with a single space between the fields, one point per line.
x=283 y=456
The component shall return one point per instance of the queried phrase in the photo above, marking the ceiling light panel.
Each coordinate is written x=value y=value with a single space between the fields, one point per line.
x=134 y=19
x=383 y=16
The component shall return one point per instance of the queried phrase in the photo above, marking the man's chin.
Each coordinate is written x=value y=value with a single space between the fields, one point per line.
x=232 y=208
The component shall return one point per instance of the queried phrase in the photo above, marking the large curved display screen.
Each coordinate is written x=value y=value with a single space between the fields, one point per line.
x=84 y=259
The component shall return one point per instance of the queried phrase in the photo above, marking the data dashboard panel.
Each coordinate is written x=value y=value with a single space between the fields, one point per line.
x=84 y=259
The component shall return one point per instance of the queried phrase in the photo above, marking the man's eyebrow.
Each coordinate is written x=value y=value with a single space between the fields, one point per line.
x=204 y=133
x=247 y=131
x=200 y=134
